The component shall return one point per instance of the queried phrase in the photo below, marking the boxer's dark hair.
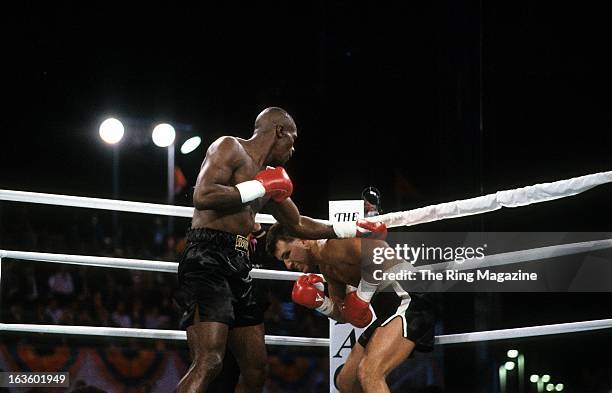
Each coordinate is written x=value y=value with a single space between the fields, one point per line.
x=275 y=233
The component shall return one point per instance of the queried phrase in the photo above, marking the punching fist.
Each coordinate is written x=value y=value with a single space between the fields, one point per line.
x=369 y=229
x=361 y=228
x=272 y=181
x=276 y=183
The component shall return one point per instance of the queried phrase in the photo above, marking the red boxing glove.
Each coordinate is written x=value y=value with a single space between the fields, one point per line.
x=276 y=182
x=356 y=311
x=372 y=230
x=306 y=293
x=361 y=228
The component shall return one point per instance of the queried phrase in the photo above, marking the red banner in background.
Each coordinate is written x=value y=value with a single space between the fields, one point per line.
x=111 y=369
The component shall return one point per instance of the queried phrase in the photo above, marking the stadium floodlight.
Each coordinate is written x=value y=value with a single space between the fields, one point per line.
x=111 y=131
x=163 y=135
x=191 y=144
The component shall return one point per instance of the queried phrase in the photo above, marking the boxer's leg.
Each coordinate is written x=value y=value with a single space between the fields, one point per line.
x=247 y=344
x=227 y=380
x=206 y=342
x=386 y=350
x=347 y=380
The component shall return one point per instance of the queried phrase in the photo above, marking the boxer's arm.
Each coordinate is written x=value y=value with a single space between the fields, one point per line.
x=211 y=190
x=337 y=291
x=287 y=213
x=374 y=263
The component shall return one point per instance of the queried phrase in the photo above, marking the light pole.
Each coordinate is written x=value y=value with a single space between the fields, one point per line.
x=502 y=379
x=540 y=381
x=503 y=375
x=111 y=131
x=535 y=378
x=520 y=360
x=170 y=186
x=163 y=136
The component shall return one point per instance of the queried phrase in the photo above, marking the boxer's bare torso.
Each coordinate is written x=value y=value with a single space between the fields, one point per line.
x=339 y=260
x=229 y=158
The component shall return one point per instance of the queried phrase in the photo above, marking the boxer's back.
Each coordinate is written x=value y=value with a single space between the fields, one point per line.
x=339 y=259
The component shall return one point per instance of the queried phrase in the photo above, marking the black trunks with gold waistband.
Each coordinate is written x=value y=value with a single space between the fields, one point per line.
x=213 y=276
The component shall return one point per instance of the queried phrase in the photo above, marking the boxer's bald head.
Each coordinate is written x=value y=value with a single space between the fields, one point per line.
x=271 y=118
x=277 y=127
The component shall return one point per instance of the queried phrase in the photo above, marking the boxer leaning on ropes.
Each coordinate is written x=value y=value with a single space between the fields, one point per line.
x=404 y=321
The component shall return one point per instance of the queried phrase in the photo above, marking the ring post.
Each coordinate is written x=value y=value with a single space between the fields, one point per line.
x=342 y=336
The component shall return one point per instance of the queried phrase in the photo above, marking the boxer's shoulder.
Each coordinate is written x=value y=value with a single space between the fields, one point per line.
x=227 y=148
x=225 y=144
x=340 y=250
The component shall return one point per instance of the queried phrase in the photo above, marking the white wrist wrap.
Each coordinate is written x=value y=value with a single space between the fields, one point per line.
x=366 y=290
x=327 y=307
x=345 y=229
x=250 y=190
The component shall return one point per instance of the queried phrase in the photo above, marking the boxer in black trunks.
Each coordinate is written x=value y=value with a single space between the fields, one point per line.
x=215 y=290
x=228 y=379
x=404 y=321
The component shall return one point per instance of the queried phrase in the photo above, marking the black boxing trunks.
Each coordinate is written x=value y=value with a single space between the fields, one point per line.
x=418 y=313
x=213 y=274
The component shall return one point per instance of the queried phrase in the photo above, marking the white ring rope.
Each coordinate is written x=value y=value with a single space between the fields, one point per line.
x=108 y=204
x=145 y=333
x=510 y=198
x=489 y=335
x=531 y=331
x=506 y=258
x=124 y=263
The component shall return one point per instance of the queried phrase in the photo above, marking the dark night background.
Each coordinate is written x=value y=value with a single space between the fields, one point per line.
x=429 y=102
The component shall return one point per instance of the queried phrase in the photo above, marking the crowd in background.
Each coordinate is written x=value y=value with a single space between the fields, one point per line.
x=47 y=293
x=36 y=292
